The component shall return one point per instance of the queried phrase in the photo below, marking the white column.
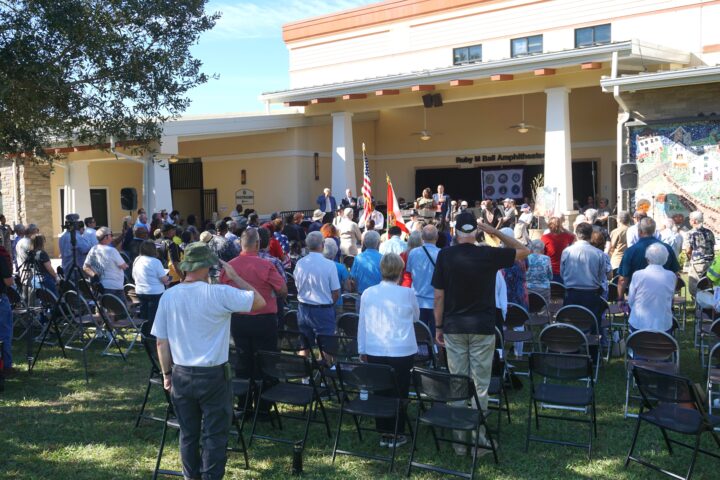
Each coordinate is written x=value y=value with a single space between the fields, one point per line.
x=77 y=189
x=558 y=156
x=156 y=188
x=343 y=155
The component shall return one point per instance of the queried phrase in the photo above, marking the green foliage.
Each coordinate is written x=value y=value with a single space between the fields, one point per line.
x=85 y=70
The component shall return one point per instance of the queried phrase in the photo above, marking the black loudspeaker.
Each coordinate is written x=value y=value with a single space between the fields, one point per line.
x=128 y=198
x=628 y=176
x=427 y=100
x=437 y=100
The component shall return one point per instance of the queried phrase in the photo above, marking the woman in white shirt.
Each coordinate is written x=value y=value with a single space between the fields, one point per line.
x=350 y=236
x=150 y=280
x=386 y=334
x=651 y=293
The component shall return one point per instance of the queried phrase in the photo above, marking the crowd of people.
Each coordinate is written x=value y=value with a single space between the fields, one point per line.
x=451 y=267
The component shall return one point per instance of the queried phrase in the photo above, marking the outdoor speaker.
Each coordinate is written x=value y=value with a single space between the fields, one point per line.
x=628 y=176
x=128 y=198
x=427 y=100
x=437 y=100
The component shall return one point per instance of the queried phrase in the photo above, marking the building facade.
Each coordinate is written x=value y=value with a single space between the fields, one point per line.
x=439 y=91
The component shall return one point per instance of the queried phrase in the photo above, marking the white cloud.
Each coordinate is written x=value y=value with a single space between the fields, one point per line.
x=264 y=18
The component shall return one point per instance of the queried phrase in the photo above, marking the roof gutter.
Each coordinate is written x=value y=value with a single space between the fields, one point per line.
x=672 y=78
x=119 y=155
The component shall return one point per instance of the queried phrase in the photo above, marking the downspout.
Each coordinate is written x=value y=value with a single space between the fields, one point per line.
x=623 y=117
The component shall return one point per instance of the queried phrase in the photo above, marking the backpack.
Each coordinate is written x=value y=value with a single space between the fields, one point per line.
x=713 y=273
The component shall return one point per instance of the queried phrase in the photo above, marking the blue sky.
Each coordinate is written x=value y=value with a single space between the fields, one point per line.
x=247 y=51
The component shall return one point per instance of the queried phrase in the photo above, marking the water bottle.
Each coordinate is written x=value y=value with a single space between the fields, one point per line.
x=363 y=395
x=297 y=463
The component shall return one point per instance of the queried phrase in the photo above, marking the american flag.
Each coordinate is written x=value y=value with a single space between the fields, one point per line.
x=367 y=187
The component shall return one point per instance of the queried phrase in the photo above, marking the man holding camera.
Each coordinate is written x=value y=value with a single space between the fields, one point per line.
x=74 y=227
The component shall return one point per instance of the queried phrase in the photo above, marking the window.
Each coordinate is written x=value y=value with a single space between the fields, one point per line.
x=526 y=45
x=470 y=54
x=589 y=36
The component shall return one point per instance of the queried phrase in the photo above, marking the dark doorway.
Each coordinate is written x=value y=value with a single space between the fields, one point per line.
x=584 y=178
x=99 y=206
x=186 y=185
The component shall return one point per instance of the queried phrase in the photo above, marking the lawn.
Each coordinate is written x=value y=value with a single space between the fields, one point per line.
x=54 y=425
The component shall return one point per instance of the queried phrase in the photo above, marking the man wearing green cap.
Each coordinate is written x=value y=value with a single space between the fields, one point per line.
x=192 y=326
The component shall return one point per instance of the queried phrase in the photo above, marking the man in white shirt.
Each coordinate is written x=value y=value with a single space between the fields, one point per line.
x=318 y=287
x=192 y=326
x=90 y=230
x=105 y=262
x=394 y=244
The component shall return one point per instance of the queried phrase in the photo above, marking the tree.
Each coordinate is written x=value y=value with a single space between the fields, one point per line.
x=84 y=70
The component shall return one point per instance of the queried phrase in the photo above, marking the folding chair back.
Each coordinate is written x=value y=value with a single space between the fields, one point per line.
x=373 y=377
x=653 y=346
x=339 y=347
x=85 y=290
x=538 y=308
x=425 y=356
x=292 y=288
x=292 y=341
x=437 y=386
x=347 y=324
x=557 y=292
x=351 y=302
x=422 y=333
x=612 y=293
x=704 y=284
x=115 y=307
x=290 y=320
x=579 y=317
x=563 y=338
x=657 y=387
x=284 y=366
x=516 y=316
x=47 y=299
x=561 y=366
x=130 y=293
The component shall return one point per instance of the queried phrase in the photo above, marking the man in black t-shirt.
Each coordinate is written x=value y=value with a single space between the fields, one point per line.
x=465 y=307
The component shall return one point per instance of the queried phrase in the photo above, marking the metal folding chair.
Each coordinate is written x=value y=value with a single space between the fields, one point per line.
x=679 y=301
x=586 y=321
x=88 y=325
x=122 y=325
x=347 y=324
x=517 y=332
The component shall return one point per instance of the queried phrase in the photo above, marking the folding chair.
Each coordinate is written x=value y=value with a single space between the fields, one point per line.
x=155 y=378
x=290 y=281
x=563 y=338
x=713 y=376
x=703 y=317
x=670 y=402
x=709 y=336
x=585 y=320
x=121 y=325
x=289 y=370
x=170 y=421
x=538 y=309
x=290 y=320
x=425 y=356
x=439 y=389
x=497 y=392
x=351 y=303
x=383 y=401
x=649 y=349
x=680 y=300
x=557 y=297
x=562 y=370
x=347 y=324
x=618 y=317
x=334 y=349
x=87 y=324
x=132 y=297
x=517 y=318
x=24 y=317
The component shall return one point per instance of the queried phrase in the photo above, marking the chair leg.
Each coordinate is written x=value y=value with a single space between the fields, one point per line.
x=594 y=416
x=694 y=456
x=667 y=441
x=339 y=428
x=507 y=405
x=414 y=443
x=142 y=408
x=255 y=417
x=627 y=394
x=634 y=440
x=395 y=436
x=537 y=417
x=241 y=442
x=308 y=417
x=162 y=445
x=325 y=418
x=529 y=423
x=357 y=427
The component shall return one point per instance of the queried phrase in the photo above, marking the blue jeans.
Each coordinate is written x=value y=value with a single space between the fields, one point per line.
x=316 y=320
x=6 y=330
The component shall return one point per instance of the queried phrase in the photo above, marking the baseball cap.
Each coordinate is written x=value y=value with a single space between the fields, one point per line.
x=466 y=222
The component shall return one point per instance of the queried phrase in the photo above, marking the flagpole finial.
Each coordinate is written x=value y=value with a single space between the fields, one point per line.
x=363 y=147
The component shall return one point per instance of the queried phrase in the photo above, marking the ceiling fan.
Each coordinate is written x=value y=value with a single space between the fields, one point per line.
x=425 y=134
x=523 y=127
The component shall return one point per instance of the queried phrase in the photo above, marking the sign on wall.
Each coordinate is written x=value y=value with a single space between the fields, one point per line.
x=678 y=168
x=498 y=184
x=244 y=197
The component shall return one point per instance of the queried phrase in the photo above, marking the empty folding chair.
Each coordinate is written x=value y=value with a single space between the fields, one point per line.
x=351 y=303
x=121 y=324
x=586 y=321
x=290 y=320
x=671 y=403
x=679 y=301
x=497 y=393
x=518 y=333
x=559 y=372
x=24 y=317
x=289 y=370
x=713 y=377
x=334 y=349
x=87 y=325
x=709 y=336
x=563 y=338
x=557 y=297
x=425 y=356
x=155 y=378
x=617 y=313
x=439 y=394
x=347 y=324
x=649 y=349
x=369 y=390
x=538 y=309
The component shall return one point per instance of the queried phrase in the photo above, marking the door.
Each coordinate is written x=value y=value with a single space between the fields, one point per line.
x=99 y=206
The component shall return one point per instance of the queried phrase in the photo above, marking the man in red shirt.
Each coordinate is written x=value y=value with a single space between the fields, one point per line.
x=256 y=330
x=556 y=240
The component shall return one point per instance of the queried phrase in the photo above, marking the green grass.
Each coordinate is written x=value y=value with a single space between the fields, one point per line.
x=54 y=425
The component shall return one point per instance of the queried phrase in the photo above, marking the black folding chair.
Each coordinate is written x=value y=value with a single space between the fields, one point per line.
x=670 y=402
x=538 y=309
x=679 y=300
x=497 y=392
x=425 y=356
x=560 y=373
x=557 y=297
x=586 y=321
x=289 y=370
x=438 y=389
x=351 y=303
x=155 y=378
x=24 y=317
x=334 y=349
x=122 y=325
x=87 y=325
x=517 y=330
x=383 y=401
x=290 y=320
x=347 y=324
x=170 y=421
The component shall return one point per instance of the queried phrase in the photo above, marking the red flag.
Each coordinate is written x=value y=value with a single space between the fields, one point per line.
x=394 y=216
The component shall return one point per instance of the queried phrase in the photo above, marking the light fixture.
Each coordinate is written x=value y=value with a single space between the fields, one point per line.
x=173 y=159
x=522 y=129
x=425 y=136
x=243 y=177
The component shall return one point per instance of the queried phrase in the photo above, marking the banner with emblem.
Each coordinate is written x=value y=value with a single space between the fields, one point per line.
x=499 y=184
